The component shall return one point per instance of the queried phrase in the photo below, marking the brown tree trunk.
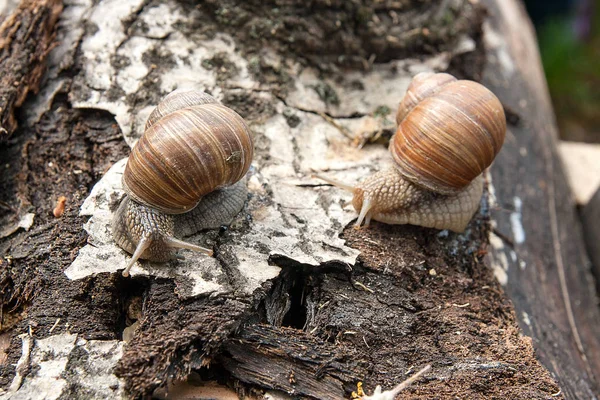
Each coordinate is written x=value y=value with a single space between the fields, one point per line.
x=294 y=302
x=543 y=262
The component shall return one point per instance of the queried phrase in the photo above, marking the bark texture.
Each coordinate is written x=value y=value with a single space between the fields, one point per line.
x=295 y=303
x=26 y=38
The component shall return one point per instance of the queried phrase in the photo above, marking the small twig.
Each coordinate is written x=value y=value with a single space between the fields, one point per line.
x=324 y=304
x=344 y=131
x=461 y=305
x=367 y=344
x=503 y=237
x=412 y=379
x=55 y=325
x=7 y=206
x=389 y=394
x=371 y=241
x=360 y=285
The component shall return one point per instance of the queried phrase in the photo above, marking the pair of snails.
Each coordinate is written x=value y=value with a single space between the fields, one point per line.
x=187 y=171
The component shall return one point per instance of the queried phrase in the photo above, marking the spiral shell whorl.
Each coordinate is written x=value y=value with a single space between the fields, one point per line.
x=177 y=100
x=187 y=154
x=450 y=138
x=423 y=85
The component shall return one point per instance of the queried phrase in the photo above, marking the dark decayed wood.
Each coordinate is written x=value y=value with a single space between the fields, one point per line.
x=26 y=38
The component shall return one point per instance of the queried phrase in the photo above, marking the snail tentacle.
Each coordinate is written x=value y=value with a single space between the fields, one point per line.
x=171 y=242
x=140 y=249
x=334 y=182
x=147 y=234
x=364 y=213
x=181 y=244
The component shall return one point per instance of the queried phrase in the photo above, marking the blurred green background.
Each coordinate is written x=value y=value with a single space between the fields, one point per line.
x=569 y=39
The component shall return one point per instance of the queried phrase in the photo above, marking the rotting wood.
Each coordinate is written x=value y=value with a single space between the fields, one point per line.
x=391 y=316
x=416 y=296
x=185 y=335
x=26 y=38
x=300 y=364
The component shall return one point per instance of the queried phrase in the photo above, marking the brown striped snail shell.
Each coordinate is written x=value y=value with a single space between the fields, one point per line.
x=193 y=148
x=450 y=136
x=449 y=132
x=192 y=145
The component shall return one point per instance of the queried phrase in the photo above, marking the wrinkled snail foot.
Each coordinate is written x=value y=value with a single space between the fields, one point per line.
x=170 y=242
x=388 y=197
x=147 y=234
x=150 y=234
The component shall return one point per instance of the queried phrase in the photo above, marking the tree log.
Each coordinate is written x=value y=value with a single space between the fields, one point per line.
x=295 y=302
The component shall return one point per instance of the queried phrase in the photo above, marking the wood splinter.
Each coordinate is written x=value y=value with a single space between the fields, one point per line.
x=60 y=207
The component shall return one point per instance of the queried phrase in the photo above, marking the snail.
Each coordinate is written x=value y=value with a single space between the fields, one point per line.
x=449 y=131
x=186 y=173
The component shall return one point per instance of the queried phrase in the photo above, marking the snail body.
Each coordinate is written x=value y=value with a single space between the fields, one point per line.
x=449 y=132
x=185 y=174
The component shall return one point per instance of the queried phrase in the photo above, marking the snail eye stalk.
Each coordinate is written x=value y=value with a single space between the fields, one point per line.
x=141 y=247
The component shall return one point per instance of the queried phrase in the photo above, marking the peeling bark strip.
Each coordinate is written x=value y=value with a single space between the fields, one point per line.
x=25 y=40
